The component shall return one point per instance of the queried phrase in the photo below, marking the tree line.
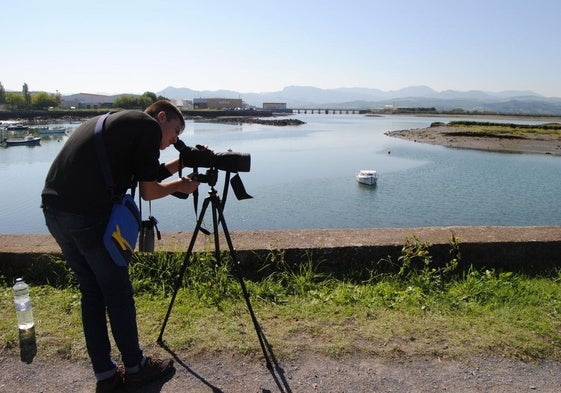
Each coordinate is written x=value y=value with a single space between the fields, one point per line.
x=129 y=101
x=43 y=100
x=27 y=99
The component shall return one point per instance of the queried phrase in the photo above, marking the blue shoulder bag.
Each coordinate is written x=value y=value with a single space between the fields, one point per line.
x=124 y=222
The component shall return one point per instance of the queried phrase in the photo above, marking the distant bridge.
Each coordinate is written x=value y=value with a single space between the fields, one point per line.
x=316 y=111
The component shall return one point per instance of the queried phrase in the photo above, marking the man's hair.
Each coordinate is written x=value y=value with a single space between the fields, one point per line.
x=169 y=109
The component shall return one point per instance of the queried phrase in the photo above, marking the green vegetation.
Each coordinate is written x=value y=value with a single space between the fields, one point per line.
x=490 y=129
x=40 y=100
x=129 y=101
x=420 y=308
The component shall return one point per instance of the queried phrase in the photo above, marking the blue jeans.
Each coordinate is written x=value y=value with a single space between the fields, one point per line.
x=105 y=288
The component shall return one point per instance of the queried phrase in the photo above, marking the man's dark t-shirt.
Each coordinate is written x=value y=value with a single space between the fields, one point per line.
x=75 y=181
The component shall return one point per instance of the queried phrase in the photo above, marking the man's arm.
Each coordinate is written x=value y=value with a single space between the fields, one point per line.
x=150 y=190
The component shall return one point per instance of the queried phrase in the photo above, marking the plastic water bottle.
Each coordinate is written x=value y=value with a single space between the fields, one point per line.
x=22 y=302
x=24 y=311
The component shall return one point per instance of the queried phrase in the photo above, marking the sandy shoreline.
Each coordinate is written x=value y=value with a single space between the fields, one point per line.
x=537 y=144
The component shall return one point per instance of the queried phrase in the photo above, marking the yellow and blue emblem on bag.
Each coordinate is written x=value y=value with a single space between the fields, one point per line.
x=122 y=230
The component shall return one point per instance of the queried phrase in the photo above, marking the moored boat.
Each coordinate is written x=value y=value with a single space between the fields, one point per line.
x=28 y=140
x=17 y=127
x=367 y=176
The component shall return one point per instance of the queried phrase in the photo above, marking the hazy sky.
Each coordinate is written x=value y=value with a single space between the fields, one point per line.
x=135 y=46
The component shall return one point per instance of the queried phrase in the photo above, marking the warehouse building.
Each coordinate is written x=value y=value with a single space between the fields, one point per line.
x=217 y=103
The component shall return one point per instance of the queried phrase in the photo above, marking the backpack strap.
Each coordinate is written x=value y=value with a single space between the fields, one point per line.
x=104 y=159
x=102 y=155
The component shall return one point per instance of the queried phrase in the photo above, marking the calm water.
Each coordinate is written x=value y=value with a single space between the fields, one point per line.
x=304 y=177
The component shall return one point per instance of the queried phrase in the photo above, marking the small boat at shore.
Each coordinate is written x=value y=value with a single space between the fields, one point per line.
x=367 y=176
x=17 y=127
x=29 y=140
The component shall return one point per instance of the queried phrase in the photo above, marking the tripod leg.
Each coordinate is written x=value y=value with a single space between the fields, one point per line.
x=215 y=202
x=217 y=208
x=179 y=277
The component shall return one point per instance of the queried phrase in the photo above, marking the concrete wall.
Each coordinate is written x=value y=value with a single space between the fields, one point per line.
x=340 y=251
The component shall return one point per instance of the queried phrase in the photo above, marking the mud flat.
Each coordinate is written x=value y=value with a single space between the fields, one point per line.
x=489 y=139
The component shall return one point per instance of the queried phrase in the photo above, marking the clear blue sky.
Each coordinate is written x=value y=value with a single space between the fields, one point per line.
x=113 y=47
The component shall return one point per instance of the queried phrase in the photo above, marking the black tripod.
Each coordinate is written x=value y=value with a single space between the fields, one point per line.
x=217 y=218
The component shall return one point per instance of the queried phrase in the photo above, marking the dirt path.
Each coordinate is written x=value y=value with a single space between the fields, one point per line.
x=309 y=373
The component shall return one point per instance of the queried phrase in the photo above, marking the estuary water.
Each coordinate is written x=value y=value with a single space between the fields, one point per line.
x=304 y=177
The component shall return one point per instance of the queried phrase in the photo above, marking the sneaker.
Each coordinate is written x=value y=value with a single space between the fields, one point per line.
x=152 y=370
x=111 y=384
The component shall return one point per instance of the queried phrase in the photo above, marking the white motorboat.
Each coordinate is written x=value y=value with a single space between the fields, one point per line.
x=367 y=176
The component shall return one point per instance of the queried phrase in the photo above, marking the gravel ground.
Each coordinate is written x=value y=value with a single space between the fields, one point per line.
x=309 y=373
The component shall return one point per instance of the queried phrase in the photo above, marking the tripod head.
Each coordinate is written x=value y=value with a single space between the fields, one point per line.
x=210 y=177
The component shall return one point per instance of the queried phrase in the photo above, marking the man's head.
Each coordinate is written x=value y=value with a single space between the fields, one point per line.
x=170 y=119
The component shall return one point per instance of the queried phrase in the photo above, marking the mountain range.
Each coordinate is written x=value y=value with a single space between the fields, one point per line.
x=512 y=101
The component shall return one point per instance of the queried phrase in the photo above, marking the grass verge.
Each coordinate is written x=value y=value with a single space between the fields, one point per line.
x=418 y=309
